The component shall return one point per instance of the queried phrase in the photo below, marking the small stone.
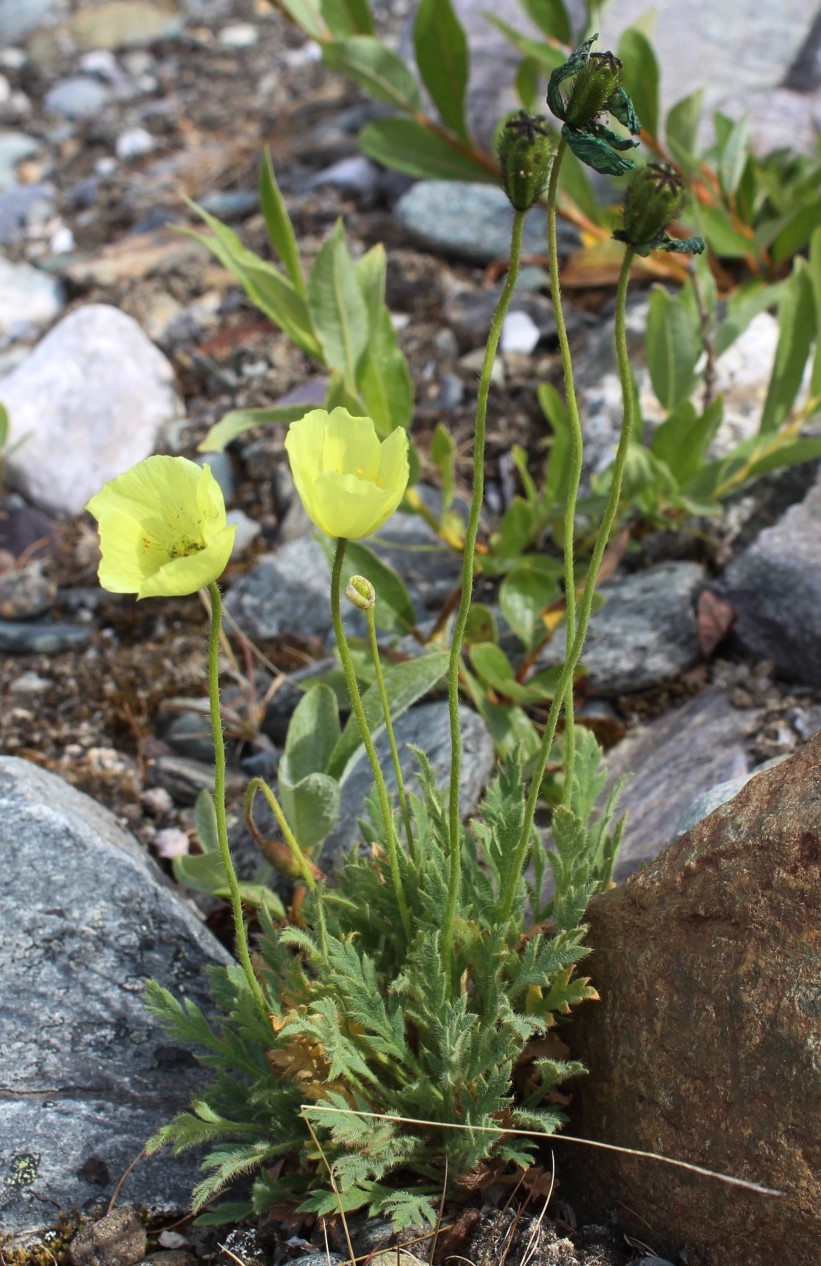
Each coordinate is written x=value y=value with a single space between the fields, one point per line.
x=238 y=35
x=230 y=204
x=76 y=98
x=118 y=1239
x=247 y=531
x=26 y=593
x=520 y=333
x=18 y=20
x=46 y=637
x=133 y=143
x=355 y=174
x=157 y=801
x=474 y=361
x=122 y=23
x=29 y=299
x=171 y=841
x=91 y=400
x=14 y=148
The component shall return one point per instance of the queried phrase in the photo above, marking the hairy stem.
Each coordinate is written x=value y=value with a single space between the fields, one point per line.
x=359 y=713
x=219 y=798
x=386 y=712
x=573 y=653
x=460 y=623
x=575 y=472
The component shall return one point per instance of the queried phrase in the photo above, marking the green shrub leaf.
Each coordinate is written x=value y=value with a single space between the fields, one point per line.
x=442 y=57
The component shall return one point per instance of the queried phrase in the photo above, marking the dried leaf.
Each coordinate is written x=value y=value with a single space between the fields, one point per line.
x=715 y=618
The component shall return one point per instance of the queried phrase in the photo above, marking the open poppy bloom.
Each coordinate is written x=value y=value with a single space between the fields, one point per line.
x=163 y=530
x=349 y=481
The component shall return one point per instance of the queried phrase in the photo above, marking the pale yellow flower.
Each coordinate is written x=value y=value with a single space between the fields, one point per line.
x=349 y=481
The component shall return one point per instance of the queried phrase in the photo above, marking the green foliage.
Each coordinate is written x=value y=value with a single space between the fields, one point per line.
x=204 y=871
x=337 y=316
x=364 y=1020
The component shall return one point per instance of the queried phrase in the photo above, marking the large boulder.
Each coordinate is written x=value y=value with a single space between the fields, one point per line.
x=86 y=1074
x=705 y=1045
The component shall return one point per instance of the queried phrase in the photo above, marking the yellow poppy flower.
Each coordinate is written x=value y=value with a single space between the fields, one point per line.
x=163 y=530
x=349 y=481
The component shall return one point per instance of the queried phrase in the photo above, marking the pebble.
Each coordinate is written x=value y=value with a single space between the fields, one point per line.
x=247 y=531
x=18 y=18
x=95 y=380
x=21 y=205
x=520 y=333
x=123 y=23
x=354 y=174
x=14 y=148
x=230 y=204
x=133 y=143
x=29 y=299
x=171 y=841
x=284 y=592
x=644 y=634
x=239 y=35
x=26 y=593
x=42 y=637
x=117 y=1239
x=76 y=98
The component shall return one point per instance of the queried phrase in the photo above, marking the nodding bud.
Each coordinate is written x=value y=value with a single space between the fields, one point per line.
x=524 y=148
x=361 y=593
x=653 y=199
x=594 y=85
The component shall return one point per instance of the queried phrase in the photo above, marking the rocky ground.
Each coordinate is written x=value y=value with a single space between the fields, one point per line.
x=112 y=114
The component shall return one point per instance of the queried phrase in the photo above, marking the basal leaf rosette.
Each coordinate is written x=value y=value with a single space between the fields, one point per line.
x=349 y=481
x=163 y=529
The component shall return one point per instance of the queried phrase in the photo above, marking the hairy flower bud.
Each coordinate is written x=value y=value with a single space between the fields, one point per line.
x=654 y=198
x=592 y=89
x=361 y=593
x=524 y=149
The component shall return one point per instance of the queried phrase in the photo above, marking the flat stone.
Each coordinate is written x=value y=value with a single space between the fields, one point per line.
x=470 y=221
x=704 y=1046
x=87 y=1074
x=670 y=762
x=117 y=1239
x=79 y=97
x=775 y=589
x=645 y=633
x=124 y=23
x=155 y=253
x=284 y=592
x=91 y=400
x=42 y=637
x=29 y=299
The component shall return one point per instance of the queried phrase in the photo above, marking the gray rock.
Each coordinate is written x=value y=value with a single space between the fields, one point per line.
x=723 y=792
x=14 y=147
x=79 y=97
x=26 y=592
x=469 y=313
x=41 y=637
x=471 y=221
x=118 y=1239
x=17 y=20
x=29 y=300
x=87 y=1074
x=425 y=726
x=90 y=400
x=669 y=763
x=775 y=588
x=644 y=634
x=21 y=204
x=284 y=592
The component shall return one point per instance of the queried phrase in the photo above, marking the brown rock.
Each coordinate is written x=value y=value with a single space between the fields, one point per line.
x=118 y=1239
x=706 y=1043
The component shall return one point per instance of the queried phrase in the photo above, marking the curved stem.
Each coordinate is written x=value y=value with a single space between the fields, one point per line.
x=586 y=605
x=359 y=712
x=386 y=712
x=460 y=623
x=575 y=471
x=219 y=798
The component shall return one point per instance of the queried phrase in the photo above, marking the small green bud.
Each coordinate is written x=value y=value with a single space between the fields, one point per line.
x=361 y=593
x=654 y=198
x=593 y=87
x=524 y=149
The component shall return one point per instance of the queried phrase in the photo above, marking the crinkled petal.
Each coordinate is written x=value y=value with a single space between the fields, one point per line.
x=612 y=138
x=567 y=69
x=622 y=108
x=596 y=153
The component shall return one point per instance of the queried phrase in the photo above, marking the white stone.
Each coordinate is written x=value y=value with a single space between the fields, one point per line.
x=520 y=333
x=239 y=35
x=89 y=402
x=133 y=143
x=29 y=299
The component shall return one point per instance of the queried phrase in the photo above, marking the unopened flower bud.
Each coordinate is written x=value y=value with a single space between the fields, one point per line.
x=361 y=593
x=592 y=89
x=654 y=198
x=524 y=150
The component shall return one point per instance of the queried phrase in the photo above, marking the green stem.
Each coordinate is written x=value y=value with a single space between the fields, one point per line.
x=359 y=712
x=259 y=784
x=386 y=712
x=219 y=798
x=573 y=653
x=575 y=469
x=460 y=623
